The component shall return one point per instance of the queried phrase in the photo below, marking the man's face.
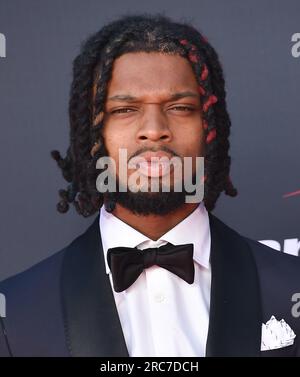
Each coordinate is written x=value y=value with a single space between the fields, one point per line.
x=153 y=110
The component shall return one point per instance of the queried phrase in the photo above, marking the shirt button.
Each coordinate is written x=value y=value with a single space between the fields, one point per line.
x=159 y=297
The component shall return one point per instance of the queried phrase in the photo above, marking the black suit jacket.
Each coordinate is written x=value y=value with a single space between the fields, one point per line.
x=64 y=305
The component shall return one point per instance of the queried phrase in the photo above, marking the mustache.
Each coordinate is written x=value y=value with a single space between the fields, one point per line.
x=154 y=149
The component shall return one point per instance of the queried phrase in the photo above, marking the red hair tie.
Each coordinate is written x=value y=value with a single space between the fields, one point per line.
x=211 y=135
x=193 y=57
x=184 y=42
x=204 y=73
x=201 y=90
x=211 y=100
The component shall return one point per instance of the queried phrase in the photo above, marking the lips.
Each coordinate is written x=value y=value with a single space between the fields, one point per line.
x=154 y=155
x=153 y=169
x=153 y=164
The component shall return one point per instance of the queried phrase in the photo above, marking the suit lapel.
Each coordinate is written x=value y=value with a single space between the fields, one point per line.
x=235 y=310
x=92 y=323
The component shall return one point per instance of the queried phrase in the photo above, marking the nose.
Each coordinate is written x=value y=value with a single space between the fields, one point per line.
x=154 y=125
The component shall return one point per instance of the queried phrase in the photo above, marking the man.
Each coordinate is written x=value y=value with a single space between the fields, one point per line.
x=155 y=274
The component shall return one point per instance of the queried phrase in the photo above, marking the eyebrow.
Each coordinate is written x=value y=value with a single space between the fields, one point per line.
x=173 y=97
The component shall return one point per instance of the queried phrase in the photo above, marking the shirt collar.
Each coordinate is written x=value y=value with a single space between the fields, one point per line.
x=193 y=229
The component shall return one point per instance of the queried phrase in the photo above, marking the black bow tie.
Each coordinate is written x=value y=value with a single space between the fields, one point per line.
x=127 y=263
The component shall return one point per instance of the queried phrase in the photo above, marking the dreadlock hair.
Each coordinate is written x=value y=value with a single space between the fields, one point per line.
x=92 y=70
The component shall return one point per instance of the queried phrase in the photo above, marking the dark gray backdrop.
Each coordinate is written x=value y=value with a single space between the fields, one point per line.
x=253 y=39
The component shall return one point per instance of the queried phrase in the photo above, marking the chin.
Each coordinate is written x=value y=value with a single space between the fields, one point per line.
x=149 y=203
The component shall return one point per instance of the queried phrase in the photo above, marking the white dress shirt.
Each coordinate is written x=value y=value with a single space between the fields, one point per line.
x=160 y=313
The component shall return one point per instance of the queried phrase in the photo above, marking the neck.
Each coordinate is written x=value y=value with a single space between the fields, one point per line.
x=154 y=226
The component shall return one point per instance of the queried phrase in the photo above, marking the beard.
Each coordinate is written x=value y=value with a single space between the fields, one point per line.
x=147 y=203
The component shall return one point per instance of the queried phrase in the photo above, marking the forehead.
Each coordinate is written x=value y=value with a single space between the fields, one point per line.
x=142 y=73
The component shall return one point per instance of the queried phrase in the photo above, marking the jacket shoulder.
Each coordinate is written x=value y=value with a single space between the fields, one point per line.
x=31 y=298
x=49 y=267
x=33 y=307
x=271 y=258
x=263 y=254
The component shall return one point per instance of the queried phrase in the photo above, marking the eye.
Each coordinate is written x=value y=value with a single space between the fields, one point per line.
x=182 y=108
x=123 y=110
